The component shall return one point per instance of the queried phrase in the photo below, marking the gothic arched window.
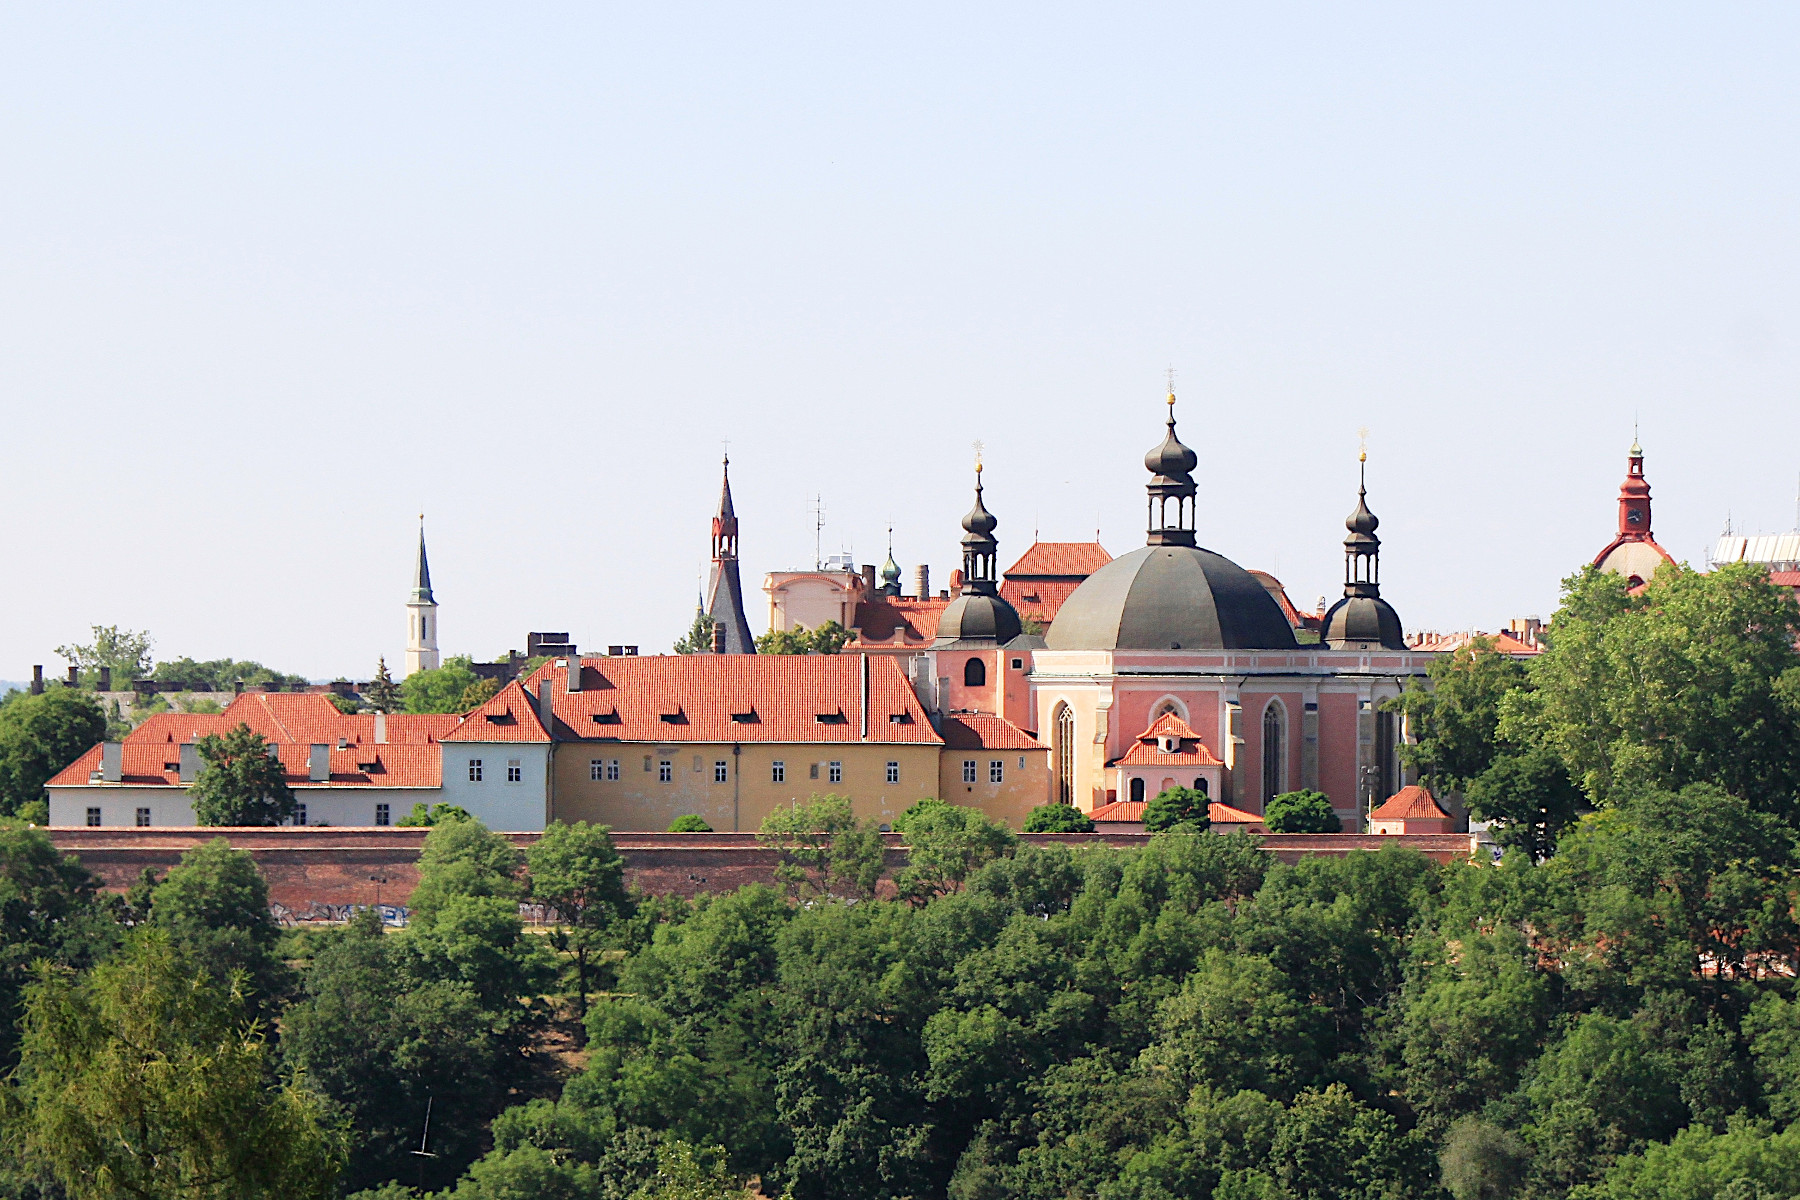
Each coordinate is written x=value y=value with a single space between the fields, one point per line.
x=1064 y=743
x=974 y=673
x=1274 y=750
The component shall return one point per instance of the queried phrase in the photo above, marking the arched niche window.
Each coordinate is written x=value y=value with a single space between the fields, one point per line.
x=1200 y=786
x=1274 y=750
x=1063 y=721
x=1137 y=791
x=1168 y=704
x=974 y=673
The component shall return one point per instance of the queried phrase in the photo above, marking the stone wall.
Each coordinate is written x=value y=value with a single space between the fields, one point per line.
x=323 y=871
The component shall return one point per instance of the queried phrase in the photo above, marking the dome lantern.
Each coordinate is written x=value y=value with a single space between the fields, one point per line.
x=1171 y=467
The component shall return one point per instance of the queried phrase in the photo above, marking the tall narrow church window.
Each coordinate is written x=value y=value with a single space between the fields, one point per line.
x=1274 y=750
x=974 y=673
x=1137 y=791
x=1064 y=739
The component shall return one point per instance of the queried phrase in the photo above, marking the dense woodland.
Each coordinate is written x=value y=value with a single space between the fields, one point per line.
x=1609 y=1012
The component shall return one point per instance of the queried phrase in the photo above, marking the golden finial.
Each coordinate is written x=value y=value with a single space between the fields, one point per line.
x=1362 y=444
x=979 y=447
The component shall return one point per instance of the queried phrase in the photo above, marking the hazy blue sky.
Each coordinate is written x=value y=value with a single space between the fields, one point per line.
x=276 y=278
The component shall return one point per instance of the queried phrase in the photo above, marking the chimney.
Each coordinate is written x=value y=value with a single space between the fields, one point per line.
x=718 y=637
x=190 y=762
x=923 y=578
x=112 y=761
x=545 y=705
x=868 y=574
x=37 y=680
x=574 y=673
x=380 y=728
x=318 y=763
x=105 y=679
x=237 y=687
x=74 y=679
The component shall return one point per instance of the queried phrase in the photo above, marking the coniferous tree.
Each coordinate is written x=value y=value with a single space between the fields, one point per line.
x=381 y=693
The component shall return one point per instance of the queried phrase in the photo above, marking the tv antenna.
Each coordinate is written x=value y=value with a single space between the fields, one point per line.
x=818 y=532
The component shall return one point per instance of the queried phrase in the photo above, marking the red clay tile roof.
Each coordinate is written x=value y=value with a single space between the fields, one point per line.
x=295 y=722
x=1038 y=599
x=511 y=716
x=877 y=618
x=1445 y=643
x=982 y=731
x=1412 y=802
x=1296 y=618
x=735 y=698
x=1785 y=578
x=1129 y=810
x=1146 y=751
x=1060 y=559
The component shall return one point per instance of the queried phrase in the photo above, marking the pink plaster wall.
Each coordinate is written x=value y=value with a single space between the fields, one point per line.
x=1337 y=748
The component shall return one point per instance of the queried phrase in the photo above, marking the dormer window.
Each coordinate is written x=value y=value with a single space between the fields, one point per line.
x=1167 y=744
x=609 y=717
x=832 y=718
x=745 y=718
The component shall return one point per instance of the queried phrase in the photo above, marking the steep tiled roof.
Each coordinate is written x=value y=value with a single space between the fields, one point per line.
x=981 y=731
x=510 y=716
x=1412 y=802
x=1147 y=750
x=735 y=698
x=877 y=618
x=1038 y=599
x=1785 y=578
x=1077 y=559
x=1130 y=810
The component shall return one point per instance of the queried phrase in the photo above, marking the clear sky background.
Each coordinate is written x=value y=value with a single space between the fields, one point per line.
x=276 y=278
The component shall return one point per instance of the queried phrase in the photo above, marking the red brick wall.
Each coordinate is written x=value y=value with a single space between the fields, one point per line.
x=320 y=870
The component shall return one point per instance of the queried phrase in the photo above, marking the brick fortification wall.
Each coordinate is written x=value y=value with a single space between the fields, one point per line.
x=321 y=871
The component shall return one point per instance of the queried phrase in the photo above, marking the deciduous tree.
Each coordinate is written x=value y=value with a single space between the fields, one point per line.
x=240 y=782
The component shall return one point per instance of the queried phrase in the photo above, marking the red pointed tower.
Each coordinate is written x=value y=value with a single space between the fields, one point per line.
x=725 y=593
x=1634 y=552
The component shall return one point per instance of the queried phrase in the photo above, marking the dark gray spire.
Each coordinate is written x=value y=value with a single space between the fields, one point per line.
x=421 y=593
x=724 y=601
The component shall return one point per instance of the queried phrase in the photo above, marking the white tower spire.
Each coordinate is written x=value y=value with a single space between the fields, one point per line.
x=421 y=616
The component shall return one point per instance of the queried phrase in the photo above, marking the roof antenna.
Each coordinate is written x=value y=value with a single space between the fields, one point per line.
x=818 y=532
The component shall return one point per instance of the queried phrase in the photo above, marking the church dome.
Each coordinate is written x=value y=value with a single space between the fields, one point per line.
x=978 y=615
x=1362 y=623
x=1170 y=597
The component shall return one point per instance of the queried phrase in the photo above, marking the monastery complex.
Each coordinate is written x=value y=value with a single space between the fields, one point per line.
x=1072 y=677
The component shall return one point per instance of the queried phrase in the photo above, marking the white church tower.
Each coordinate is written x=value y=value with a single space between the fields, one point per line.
x=421 y=616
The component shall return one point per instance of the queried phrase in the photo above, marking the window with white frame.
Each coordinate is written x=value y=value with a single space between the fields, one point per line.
x=474 y=770
x=721 y=771
x=996 y=771
x=893 y=772
x=515 y=771
x=837 y=771
x=665 y=771
x=384 y=815
x=612 y=770
x=299 y=814
x=777 y=772
x=93 y=816
x=597 y=769
x=968 y=770
x=143 y=817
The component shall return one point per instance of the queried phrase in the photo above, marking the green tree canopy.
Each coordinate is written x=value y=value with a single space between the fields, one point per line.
x=576 y=871
x=824 y=849
x=829 y=638
x=39 y=736
x=689 y=823
x=221 y=675
x=1056 y=817
x=1174 y=806
x=381 y=693
x=124 y=651
x=946 y=843
x=698 y=638
x=1304 y=811
x=422 y=816
x=215 y=908
x=1456 y=719
x=441 y=689
x=143 y=1079
x=240 y=782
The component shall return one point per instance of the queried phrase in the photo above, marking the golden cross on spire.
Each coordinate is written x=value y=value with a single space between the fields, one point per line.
x=979 y=447
x=1362 y=444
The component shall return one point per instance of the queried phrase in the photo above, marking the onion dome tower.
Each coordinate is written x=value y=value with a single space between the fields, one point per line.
x=1171 y=594
x=1362 y=620
x=1633 y=552
x=890 y=570
x=979 y=613
x=724 y=591
x=421 y=615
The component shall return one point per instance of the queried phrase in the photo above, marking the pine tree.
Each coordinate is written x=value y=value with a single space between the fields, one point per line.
x=381 y=693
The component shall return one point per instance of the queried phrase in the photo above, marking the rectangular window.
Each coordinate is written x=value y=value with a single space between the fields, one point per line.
x=996 y=771
x=597 y=769
x=1018 y=664
x=383 y=815
x=837 y=772
x=665 y=771
x=515 y=771
x=812 y=770
x=299 y=814
x=612 y=770
x=646 y=762
x=778 y=772
x=143 y=817
x=93 y=816
x=893 y=775
x=1021 y=762
x=968 y=770
x=474 y=770
x=721 y=771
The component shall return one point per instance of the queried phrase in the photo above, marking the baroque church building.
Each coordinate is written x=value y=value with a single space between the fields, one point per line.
x=1173 y=665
